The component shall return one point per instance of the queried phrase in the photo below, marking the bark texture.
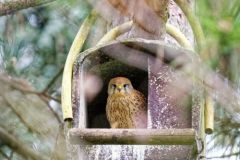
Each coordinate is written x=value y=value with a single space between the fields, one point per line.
x=8 y=7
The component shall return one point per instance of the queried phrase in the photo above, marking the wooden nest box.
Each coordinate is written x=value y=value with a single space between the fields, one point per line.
x=174 y=106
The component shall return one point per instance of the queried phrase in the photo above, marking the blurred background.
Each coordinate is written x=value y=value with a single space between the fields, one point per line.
x=33 y=48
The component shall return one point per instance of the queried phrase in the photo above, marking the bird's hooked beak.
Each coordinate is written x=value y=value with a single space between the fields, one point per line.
x=119 y=87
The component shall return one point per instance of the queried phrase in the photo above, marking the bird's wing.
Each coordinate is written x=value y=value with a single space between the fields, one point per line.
x=139 y=100
x=108 y=110
x=140 y=109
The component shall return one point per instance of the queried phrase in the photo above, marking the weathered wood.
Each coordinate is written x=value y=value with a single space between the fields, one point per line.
x=89 y=60
x=165 y=113
x=120 y=11
x=133 y=136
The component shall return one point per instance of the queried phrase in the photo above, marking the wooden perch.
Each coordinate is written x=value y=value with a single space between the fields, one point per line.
x=133 y=136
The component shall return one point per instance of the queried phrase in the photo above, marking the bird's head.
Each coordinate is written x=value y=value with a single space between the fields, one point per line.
x=119 y=85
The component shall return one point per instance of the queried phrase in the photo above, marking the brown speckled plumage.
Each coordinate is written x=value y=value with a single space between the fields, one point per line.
x=126 y=107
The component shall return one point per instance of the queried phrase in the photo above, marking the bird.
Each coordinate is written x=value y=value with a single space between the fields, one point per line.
x=126 y=107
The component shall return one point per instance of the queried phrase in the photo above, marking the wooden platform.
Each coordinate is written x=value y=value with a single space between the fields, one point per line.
x=133 y=136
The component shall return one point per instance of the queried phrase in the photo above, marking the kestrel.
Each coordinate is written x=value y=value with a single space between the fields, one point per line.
x=126 y=107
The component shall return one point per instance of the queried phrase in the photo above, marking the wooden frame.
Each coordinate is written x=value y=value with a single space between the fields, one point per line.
x=93 y=136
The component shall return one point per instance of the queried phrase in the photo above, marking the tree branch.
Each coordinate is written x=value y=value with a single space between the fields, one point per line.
x=8 y=7
x=225 y=155
x=53 y=80
x=18 y=146
x=4 y=155
x=20 y=117
x=51 y=109
x=23 y=86
x=195 y=25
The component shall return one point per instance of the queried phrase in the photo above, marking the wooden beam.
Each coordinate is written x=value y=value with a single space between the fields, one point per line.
x=133 y=136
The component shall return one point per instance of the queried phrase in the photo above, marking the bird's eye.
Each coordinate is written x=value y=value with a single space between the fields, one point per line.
x=114 y=86
x=125 y=85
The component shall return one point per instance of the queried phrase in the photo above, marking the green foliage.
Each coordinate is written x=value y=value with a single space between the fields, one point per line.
x=221 y=23
x=35 y=41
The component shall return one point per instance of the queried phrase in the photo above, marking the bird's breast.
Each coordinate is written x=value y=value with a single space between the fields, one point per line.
x=119 y=110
